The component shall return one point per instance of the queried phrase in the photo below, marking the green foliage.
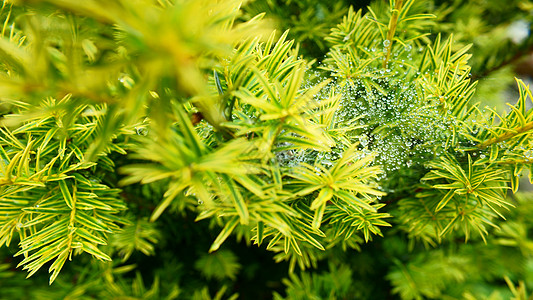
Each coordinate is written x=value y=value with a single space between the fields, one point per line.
x=52 y=198
x=309 y=21
x=139 y=236
x=329 y=285
x=121 y=122
x=427 y=277
x=219 y=265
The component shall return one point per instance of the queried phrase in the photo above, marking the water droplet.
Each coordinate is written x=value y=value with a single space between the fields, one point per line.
x=386 y=43
x=364 y=140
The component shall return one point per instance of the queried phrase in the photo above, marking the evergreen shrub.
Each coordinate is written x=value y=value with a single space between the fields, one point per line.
x=180 y=149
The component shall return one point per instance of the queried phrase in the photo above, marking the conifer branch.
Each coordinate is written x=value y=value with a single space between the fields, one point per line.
x=392 y=30
x=507 y=135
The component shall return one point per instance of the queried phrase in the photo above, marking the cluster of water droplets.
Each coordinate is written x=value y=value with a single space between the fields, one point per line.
x=295 y=157
x=398 y=122
x=401 y=129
